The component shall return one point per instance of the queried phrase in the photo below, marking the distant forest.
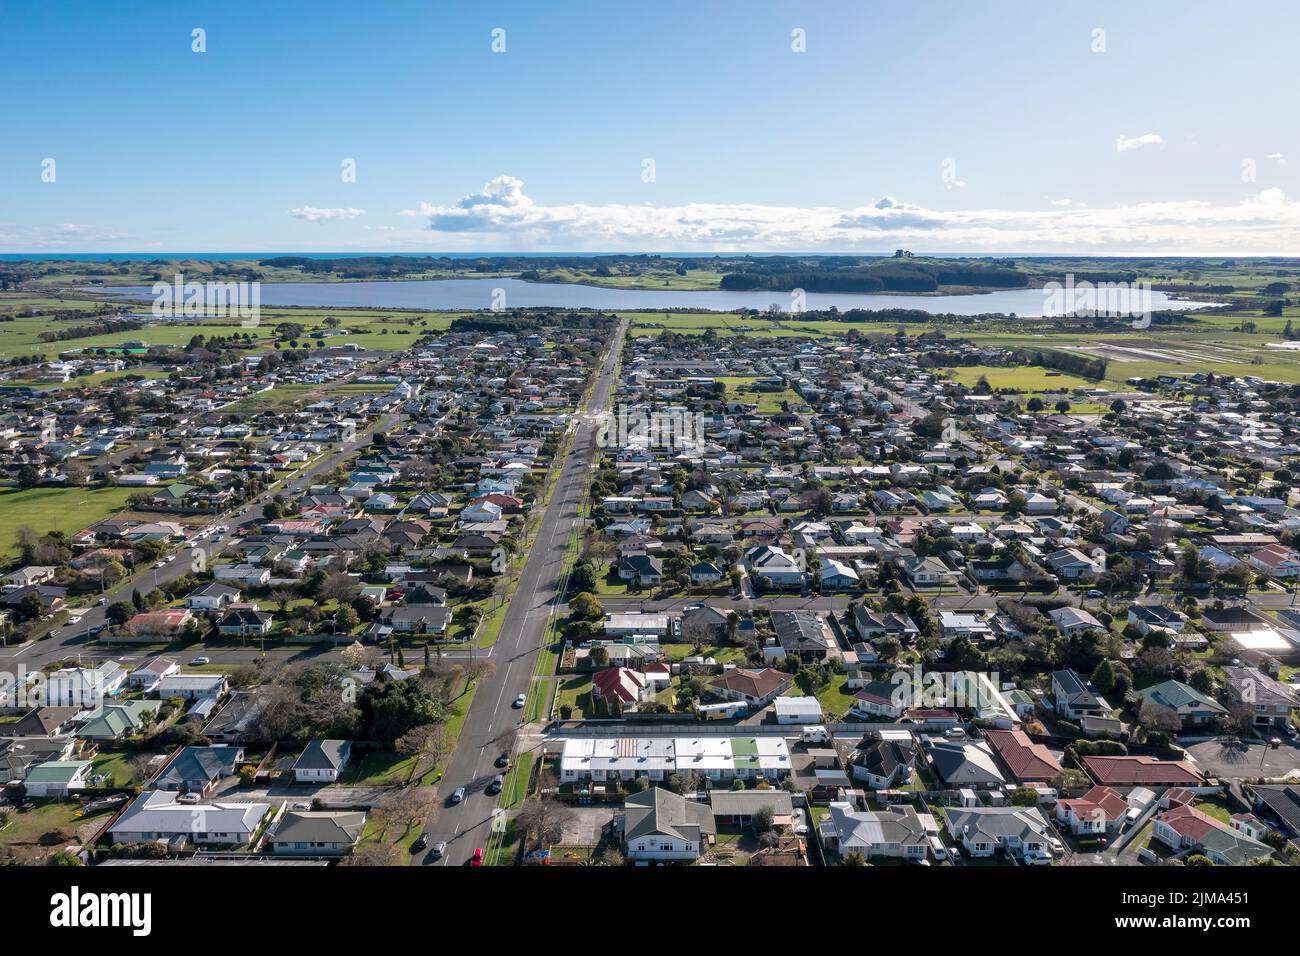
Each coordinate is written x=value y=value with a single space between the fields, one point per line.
x=898 y=274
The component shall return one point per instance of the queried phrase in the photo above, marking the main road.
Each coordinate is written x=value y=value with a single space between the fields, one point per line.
x=493 y=720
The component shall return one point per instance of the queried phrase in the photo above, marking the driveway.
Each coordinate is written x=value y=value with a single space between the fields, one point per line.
x=1232 y=759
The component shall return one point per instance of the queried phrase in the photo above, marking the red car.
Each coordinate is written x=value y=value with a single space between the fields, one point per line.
x=477 y=858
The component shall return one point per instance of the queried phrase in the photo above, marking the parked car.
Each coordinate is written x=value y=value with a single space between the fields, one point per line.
x=497 y=783
x=420 y=842
x=477 y=858
x=438 y=850
x=504 y=760
x=1094 y=593
x=1037 y=858
x=457 y=796
x=520 y=700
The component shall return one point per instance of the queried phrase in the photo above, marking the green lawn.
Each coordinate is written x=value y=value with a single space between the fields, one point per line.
x=55 y=509
x=835 y=697
x=384 y=767
x=576 y=692
x=115 y=766
x=21 y=835
x=516 y=787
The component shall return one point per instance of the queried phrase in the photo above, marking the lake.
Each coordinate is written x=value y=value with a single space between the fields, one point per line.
x=440 y=294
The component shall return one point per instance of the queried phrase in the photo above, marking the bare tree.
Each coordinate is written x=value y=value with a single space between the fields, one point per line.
x=1158 y=717
x=338 y=586
x=542 y=821
x=479 y=668
x=406 y=805
x=428 y=744
x=373 y=853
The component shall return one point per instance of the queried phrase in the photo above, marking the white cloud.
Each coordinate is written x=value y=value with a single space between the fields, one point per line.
x=503 y=216
x=1125 y=144
x=1062 y=202
x=315 y=214
x=1277 y=158
x=60 y=236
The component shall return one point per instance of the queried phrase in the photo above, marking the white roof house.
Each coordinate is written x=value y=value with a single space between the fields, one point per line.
x=710 y=756
x=156 y=815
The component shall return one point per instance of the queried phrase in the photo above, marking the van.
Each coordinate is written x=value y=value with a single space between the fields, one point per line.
x=815 y=735
x=937 y=849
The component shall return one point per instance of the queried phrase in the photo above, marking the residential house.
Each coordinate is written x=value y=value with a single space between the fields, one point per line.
x=1099 y=811
x=982 y=831
x=199 y=769
x=1076 y=697
x=897 y=832
x=757 y=688
x=658 y=824
x=316 y=833
x=156 y=816
x=1194 y=709
x=322 y=761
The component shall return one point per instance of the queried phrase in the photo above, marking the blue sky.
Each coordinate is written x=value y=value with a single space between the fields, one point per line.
x=939 y=126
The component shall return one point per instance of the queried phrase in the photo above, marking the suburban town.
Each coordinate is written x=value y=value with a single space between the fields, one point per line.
x=502 y=442
x=532 y=590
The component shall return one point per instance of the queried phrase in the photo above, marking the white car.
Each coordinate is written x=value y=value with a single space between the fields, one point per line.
x=200 y=661
x=1037 y=858
x=160 y=564
x=520 y=701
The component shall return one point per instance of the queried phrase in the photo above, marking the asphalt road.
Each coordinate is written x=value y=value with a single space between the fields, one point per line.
x=492 y=718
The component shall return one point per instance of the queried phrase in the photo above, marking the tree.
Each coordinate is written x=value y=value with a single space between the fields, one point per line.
x=761 y=820
x=599 y=656
x=542 y=821
x=583 y=577
x=585 y=607
x=353 y=655
x=339 y=586
x=120 y=613
x=391 y=708
x=427 y=744
x=1024 y=797
x=1103 y=677
x=346 y=619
